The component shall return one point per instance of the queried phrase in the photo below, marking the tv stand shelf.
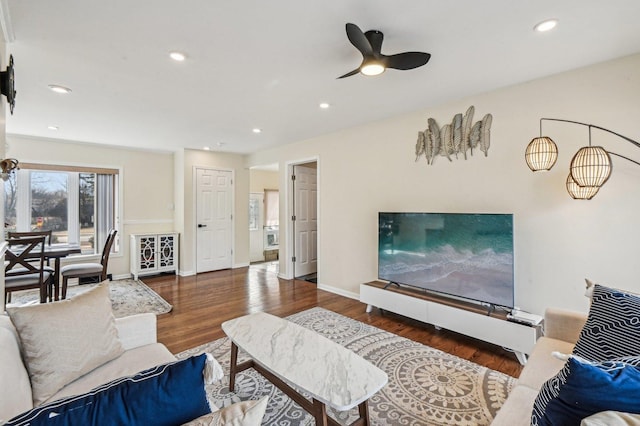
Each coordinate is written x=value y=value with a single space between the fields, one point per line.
x=462 y=317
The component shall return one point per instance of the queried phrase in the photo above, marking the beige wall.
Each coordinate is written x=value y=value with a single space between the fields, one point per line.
x=3 y=139
x=192 y=160
x=147 y=183
x=262 y=179
x=558 y=241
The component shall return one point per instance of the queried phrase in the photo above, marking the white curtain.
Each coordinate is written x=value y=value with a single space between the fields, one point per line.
x=105 y=208
x=271 y=207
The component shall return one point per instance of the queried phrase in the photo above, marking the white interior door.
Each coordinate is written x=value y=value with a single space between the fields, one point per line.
x=256 y=225
x=306 y=220
x=214 y=219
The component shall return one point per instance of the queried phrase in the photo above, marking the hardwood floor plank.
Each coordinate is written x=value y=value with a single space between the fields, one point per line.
x=201 y=303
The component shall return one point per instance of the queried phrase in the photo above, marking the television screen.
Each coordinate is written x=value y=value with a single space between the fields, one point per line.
x=458 y=254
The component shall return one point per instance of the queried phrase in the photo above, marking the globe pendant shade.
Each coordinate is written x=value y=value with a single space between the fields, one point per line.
x=541 y=154
x=591 y=166
x=578 y=192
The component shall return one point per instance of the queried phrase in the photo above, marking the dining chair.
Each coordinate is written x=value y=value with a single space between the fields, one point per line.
x=82 y=270
x=48 y=236
x=24 y=267
x=28 y=234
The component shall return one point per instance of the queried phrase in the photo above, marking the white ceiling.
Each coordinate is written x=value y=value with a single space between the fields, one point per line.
x=268 y=64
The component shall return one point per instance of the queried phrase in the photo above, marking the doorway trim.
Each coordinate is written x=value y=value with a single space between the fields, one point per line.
x=194 y=214
x=289 y=198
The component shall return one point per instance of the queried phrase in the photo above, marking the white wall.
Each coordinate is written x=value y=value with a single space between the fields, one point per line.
x=558 y=241
x=147 y=178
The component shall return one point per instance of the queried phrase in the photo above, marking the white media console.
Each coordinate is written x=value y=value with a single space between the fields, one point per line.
x=461 y=317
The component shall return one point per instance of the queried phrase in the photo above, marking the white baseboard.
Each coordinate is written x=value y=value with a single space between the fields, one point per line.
x=339 y=291
x=121 y=276
x=186 y=273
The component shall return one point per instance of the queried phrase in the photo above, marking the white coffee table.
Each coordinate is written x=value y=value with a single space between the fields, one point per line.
x=291 y=356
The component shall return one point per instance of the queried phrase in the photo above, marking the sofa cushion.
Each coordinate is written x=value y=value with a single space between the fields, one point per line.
x=541 y=365
x=127 y=364
x=611 y=418
x=64 y=340
x=244 y=413
x=15 y=392
x=583 y=388
x=516 y=410
x=168 y=394
x=612 y=329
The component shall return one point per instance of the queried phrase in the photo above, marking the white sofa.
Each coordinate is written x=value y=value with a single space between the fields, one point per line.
x=561 y=331
x=137 y=334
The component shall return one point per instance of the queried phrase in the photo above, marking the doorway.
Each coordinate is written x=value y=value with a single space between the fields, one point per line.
x=214 y=219
x=304 y=184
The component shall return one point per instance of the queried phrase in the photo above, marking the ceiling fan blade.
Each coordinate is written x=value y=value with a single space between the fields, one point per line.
x=359 y=40
x=407 y=60
x=350 y=73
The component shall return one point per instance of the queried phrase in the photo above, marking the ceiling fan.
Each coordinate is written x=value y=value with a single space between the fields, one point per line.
x=374 y=62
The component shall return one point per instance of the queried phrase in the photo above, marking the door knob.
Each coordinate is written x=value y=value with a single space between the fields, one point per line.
x=201 y=225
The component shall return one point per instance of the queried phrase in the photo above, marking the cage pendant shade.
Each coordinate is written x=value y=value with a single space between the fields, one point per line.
x=541 y=153
x=578 y=192
x=591 y=166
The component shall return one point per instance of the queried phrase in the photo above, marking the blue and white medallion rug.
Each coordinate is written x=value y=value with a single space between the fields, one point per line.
x=426 y=386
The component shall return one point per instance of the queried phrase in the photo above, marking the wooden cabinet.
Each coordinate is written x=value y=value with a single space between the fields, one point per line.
x=153 y=253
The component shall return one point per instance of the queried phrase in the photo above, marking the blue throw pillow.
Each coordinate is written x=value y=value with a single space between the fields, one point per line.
x=612 y=329
x=169 y=394
x=582 y=388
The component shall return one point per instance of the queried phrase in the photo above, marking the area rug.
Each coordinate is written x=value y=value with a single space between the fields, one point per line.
x=426 y=386
x=128 y=297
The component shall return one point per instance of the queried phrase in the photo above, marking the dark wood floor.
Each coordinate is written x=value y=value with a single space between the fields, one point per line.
x=203 y=302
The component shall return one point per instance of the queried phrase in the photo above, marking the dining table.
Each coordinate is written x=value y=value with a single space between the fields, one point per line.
x=56 y=252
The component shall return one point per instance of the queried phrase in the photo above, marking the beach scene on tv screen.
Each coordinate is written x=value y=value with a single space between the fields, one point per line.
x=466 y=255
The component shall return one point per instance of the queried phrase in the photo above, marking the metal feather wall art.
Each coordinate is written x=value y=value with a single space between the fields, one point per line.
x=455 y=139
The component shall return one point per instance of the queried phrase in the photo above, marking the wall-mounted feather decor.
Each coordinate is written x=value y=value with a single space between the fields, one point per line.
x=455 y=139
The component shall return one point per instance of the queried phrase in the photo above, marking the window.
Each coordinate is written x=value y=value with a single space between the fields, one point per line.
x=77 y=204
x=254 y=214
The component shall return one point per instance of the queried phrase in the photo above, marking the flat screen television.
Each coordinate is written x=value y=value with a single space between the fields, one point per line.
x=469 y=256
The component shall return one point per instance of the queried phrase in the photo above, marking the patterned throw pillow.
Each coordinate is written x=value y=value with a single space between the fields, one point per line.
x=583 y=388
x=612 y=329
x=166 y=395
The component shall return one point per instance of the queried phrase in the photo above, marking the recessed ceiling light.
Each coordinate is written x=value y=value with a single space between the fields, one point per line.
x=256 y=130
x=220 y=143
x=206 y=148
x=547 y=25
x=178 y=56
x=59 y=89
x=53 y=127
x=324 y=105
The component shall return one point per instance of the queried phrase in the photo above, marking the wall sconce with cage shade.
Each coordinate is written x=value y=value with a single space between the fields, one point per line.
x=7 y=166
x=590 y=167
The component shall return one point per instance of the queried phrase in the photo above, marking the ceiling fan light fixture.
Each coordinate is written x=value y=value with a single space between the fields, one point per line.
x=372 y=68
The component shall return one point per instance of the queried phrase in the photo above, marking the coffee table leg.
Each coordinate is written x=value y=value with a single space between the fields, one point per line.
x=232 y=367
x=364 y=413
x=320 y=413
